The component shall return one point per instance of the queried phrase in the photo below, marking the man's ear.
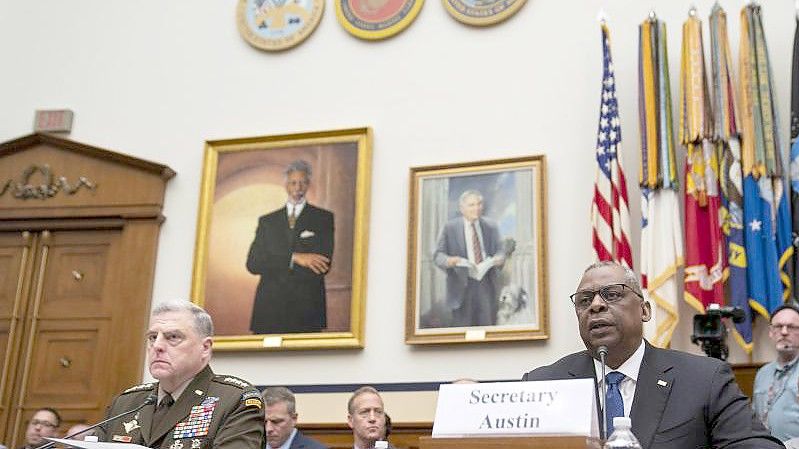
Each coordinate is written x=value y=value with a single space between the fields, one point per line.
x=349 y=420
x=208 y=342
x=646 y=311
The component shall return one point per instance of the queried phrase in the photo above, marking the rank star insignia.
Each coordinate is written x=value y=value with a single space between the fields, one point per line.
x=195 y=444
x=131 y=425
x=177 y=444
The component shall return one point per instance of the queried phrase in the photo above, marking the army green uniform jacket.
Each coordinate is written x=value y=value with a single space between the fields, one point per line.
x=212 y=412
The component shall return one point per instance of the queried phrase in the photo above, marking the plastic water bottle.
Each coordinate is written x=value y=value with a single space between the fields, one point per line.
x=622 y=437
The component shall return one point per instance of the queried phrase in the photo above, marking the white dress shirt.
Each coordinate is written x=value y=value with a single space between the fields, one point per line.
x=467 y=233
x=630 y=369
x=290 y=208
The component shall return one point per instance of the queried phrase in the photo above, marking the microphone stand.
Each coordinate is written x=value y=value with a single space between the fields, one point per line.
x=603 y=353
x=152 y=399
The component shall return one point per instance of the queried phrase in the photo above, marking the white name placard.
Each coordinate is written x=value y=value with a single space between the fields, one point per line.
x=551 y=407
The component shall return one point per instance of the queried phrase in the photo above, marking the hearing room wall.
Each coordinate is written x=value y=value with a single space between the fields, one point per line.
x=156 y=79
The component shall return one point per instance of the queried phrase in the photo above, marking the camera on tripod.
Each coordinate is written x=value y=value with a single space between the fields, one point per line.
x=710 y=332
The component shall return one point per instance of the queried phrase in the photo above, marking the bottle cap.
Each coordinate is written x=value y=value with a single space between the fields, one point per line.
x=622 y=421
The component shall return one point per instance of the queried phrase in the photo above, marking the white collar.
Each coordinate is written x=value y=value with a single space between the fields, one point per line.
x=629 y=368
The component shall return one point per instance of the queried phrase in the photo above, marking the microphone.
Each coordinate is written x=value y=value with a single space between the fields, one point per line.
x=149 y=400
x=602 y=351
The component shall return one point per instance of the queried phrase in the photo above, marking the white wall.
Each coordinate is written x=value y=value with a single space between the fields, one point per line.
x=155 y=79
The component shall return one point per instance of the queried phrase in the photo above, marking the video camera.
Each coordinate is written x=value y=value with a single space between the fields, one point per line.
x=710 y=332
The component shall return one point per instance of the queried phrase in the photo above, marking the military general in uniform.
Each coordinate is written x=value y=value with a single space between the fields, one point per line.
x=195 y=408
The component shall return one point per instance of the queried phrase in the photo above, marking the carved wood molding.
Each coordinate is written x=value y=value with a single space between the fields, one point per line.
x=24 y=189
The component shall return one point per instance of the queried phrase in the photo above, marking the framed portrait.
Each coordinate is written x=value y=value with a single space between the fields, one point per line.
x=282 y=235
x=477 y=252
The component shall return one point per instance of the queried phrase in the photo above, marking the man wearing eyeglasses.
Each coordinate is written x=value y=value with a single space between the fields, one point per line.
x=43 y=424
x=674 y=399
x=776 y=399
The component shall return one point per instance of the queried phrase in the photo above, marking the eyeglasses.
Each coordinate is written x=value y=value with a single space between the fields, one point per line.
x=792 y=328
x=38 y=422
x=609 y=293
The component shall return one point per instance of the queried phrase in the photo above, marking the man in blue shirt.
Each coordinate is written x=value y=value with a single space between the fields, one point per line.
x=776 y=398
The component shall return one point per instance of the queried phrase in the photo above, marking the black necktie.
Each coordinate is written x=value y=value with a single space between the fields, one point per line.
x=162 y=408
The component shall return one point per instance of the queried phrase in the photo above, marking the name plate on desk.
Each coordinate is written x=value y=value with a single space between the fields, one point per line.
x=551 y=407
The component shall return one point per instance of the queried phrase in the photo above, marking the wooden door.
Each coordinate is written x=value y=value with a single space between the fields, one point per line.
x=68 y=350
x=78 y=236
x=15 y=278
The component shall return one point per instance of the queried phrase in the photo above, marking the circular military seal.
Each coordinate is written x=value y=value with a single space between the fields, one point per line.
x=482 y=12
x=376 y=19
x=276 y=25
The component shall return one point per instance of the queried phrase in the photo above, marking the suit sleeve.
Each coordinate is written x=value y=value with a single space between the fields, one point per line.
x=442 y=250
x=266 y=256
x=730 y=420
x=242 y=428
x=326 y=242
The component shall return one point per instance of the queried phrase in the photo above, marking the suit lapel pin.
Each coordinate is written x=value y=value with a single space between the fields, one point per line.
x=662 y=382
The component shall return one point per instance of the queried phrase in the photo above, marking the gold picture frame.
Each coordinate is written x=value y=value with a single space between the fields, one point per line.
x=243 y=199
x=449 y=280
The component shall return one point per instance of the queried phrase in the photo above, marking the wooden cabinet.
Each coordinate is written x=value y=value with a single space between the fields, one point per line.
x=78 y=235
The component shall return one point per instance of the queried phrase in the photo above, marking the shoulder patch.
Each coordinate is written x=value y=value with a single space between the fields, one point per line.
x=141 y=387
x=235 y=381
x=252 y=398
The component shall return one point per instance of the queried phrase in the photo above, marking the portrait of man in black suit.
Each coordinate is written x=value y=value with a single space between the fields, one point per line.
x=292 y=252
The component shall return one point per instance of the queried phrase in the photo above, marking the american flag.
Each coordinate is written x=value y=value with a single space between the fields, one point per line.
x=610 y=216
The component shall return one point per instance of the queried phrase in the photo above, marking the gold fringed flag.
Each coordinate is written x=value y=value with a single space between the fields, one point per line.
x=730 y=175
x=661 y=239
x=704 y=245
x=766 y=215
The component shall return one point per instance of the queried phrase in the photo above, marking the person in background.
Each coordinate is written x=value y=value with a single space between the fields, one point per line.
x=43 y=424
x=281 y=421
x=366 y=416
x=79 y=430
x=776 y=399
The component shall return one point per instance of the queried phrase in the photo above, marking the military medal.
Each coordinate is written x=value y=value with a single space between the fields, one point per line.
x=195 y=444
x=131 y=425
x=177 y=444
x=199 y=420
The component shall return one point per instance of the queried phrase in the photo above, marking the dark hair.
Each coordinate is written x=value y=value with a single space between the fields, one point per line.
x=51 y=410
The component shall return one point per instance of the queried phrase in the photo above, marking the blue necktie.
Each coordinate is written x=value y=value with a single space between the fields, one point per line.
x=614 y=404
